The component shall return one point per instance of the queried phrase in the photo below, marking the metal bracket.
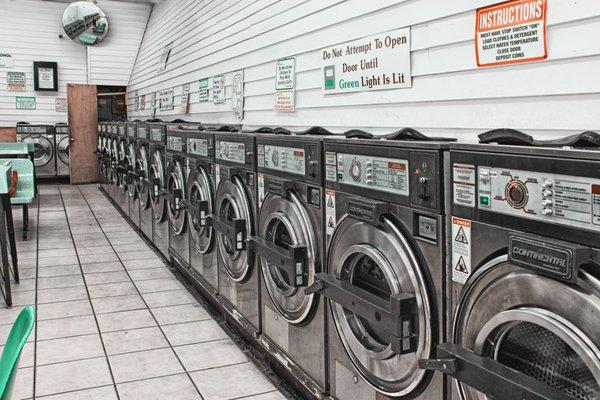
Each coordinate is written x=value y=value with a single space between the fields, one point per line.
x=174 y=197
x=198 y=210
x=489 y=376
x=396 y=317
x=292 y=261
x=235 y=230
x=153 y=184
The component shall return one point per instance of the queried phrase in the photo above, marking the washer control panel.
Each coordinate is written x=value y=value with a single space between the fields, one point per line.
x=142 y=132
x=280 y=158
x=122 y=130
x=32 y=129
x=560 y=199
x=197 y=146
x=131 y=130
x=385 y=174
x=175 y=143
x=231 y=151
x=156 y=134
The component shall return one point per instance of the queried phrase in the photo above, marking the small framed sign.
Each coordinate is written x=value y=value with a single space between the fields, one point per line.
x=45 y=76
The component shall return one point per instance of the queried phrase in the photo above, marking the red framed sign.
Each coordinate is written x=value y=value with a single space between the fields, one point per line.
x=511 y=32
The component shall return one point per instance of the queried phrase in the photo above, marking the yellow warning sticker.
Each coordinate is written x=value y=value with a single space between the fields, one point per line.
x=461 y=250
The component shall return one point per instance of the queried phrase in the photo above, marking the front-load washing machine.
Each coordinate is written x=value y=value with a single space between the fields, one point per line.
x=114 y=159
x=233 y=220
x=63 y=140
x=289 y=244
x=524 y=274
x=175 y=192
x=385 y=267
x=123 y=167
x=101 y=154
x=143 y=184
x=158 y=178
x=132 y=177
x=42 y=138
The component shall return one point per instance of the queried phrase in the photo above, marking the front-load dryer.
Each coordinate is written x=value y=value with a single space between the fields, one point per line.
x=132 y=177
x=233 y=219
x=144 y=185
x=524 y=274
x=158 y=177
x=63 y=141
x=385 y=267
x=42 y=138
x=289 y=244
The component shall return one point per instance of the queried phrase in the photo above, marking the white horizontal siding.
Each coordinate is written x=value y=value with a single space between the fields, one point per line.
x=29 y=31
x=450 y=95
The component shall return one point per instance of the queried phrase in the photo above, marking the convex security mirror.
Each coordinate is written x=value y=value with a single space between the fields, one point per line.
x=85 y=23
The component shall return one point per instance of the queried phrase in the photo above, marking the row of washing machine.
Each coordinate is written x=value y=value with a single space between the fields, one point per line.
x=51 y=147
x=370 y=268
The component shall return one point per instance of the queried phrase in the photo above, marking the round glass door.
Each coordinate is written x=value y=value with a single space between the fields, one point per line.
x=200 y=189
x=287 y=223
x=43 y=149
x=122 y=154
x=380 y=261
x=142 y=189
x=157 y=172
x=63 y=150
x=131 y=162
x=535 y=325
x=176 y=181
x=114 y=156
x=232 y=203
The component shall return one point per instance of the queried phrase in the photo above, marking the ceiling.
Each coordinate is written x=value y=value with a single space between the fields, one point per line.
x=100 y=1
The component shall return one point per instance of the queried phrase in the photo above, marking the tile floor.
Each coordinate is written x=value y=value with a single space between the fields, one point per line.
x=112 y=321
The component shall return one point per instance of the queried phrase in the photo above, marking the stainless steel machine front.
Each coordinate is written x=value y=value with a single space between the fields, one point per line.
x=143 y=184
x=158 y=177
x=132 y=176
x=43 y=140
x=63 y=141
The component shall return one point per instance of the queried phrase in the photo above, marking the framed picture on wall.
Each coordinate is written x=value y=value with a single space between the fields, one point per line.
x=45 y=76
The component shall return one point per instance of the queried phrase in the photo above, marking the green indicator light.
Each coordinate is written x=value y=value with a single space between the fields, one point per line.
x=484 y=200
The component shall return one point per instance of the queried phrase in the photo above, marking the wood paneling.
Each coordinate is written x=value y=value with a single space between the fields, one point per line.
x=8 y=134
x=83 y=124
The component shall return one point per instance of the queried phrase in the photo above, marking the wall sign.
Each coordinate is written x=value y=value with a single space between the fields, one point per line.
x=218 y=89
x=285 y=74
x=285 y=100
x=165 y=99
x=511 y=32
x=6 y=60
x=25 y=103
x=374 y=63
x=185 y=99
x=136 y=100
x=142 y=102
x=60 y=104
x=45 y=76
x=203 y=90
x=16 y=81
x=237 y=95
x=164 y=57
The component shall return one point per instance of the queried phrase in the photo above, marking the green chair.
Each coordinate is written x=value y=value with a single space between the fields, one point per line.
x=9 y=363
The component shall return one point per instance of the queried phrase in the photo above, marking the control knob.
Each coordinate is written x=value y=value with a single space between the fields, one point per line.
x=547 y=211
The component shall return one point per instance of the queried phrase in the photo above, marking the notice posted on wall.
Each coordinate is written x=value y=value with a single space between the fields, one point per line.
x=511 y=32
x=374 y=63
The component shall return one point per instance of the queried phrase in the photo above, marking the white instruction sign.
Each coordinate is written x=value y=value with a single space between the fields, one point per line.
x=374 y=63
x=461 y=250
x=6 y=60
x=165 y=99
x=285 y=100
x=285 y=74
x=218 y=89
x=463 y=185
x=237 y=94
x=330 y=217
x=511 y=32
x=185 y=99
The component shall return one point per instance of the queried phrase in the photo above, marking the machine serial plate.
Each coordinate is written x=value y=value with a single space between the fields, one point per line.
x=231 y=151
x=385 y=174
x=286 y=159
x=197 y=146
x=175 y=143
x=559 y=199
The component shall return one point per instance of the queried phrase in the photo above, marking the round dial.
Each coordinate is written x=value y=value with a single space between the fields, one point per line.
x=275 y=158
x=356 y=170
x=516 y=194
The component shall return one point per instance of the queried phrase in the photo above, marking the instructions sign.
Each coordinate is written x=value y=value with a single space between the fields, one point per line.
x=461 y=250
x=16 y=81
x=378 y=62
x=185 y=99
x=285 y=74
x=218 y=89
x=511 y=32
x=237 y=94
x=285 y=100
x=463 y=185
x=203 y=90
x=6 y=60
x=25 y=103
x=60 y=104
x=165 y=99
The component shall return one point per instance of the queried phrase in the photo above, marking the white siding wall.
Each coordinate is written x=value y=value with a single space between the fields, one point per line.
x=450 y=95
x=29 y=30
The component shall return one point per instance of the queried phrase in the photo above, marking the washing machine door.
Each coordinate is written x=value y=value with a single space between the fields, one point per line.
x=157 y=171
x=43 y=149
x=114 y=156
x=122 y=157
x=131 y=163
x=541 y=327
x=143 y=167
x=284 y=222
x=232 y=202
x=376 y=263
x=63 y=150
x=200 y=188
x=176 y=181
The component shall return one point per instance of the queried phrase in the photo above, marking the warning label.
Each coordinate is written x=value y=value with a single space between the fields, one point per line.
x=261 y=189
x=331 y=166
x=511 y=32
x=463 y=186
x=330 y=217
x=461 y=250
